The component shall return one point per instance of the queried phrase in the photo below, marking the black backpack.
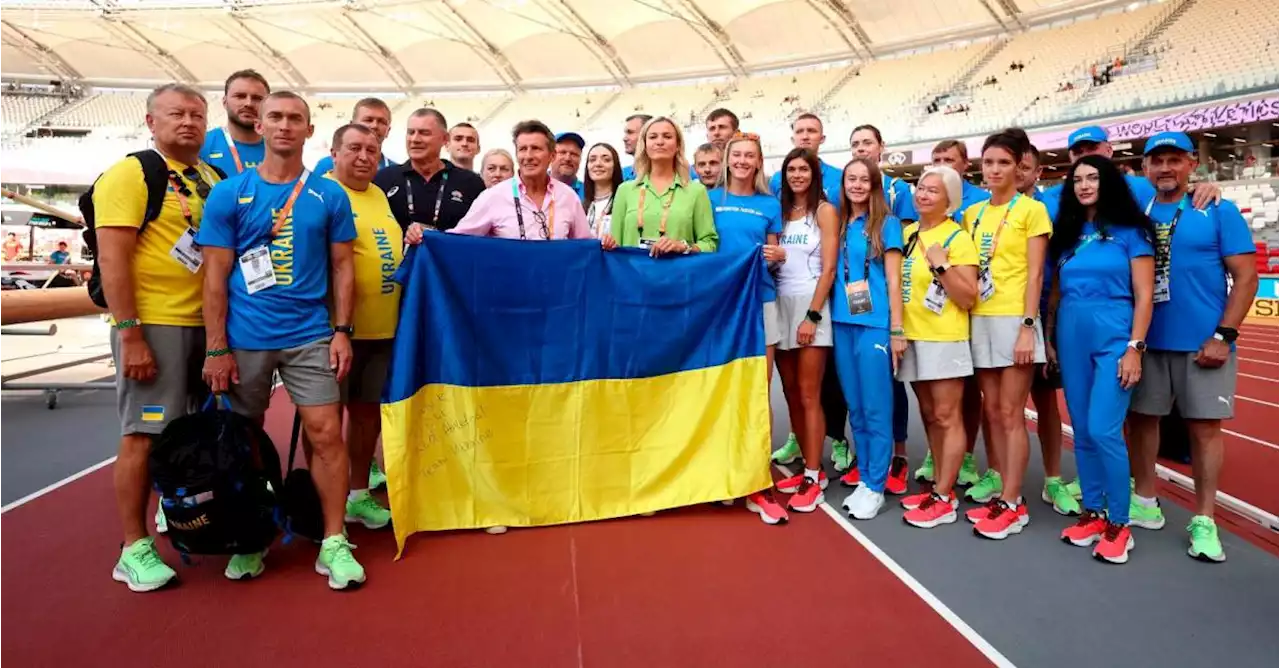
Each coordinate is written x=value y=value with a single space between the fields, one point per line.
x=218 y=476
x=155 y=172
x=302 y=513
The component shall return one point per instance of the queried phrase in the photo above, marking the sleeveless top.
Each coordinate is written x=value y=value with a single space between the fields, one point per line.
x=802 y=239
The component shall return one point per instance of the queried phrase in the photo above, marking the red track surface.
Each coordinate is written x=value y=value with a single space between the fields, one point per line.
x=695 y=587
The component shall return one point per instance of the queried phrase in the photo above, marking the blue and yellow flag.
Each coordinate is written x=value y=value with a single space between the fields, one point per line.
x=545 y=383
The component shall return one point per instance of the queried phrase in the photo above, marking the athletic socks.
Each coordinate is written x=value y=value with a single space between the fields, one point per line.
x=811 y=474
x=356 y=493
x=1149 y=502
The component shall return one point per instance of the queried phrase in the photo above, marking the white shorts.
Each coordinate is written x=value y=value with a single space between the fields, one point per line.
x=935 y=360
x=772 y=328
x=992 y=339
x=791 y=312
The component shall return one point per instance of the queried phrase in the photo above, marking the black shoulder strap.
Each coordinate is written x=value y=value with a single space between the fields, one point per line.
x=293 y=439
x=222 y=176
x=155 y=172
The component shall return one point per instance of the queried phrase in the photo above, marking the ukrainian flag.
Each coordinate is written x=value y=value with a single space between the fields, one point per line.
x=545 y=383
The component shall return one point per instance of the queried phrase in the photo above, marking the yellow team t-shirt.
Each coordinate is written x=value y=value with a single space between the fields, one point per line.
x=379 y=247
x=166 y=292
x=1027 y=219
x=920 y=323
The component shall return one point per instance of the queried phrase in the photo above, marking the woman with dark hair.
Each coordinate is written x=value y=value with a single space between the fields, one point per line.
x=869 y=338
x=604 y=175
x=1012 y=233
x=1101 y=303
x=810 y=237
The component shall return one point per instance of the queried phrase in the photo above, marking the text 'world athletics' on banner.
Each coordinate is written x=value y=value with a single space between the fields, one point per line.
x=545 y=383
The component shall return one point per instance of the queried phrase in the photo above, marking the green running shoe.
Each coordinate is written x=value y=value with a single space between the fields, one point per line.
x=1145 y=517
x=245 y=566
x=141 y=568
x=376 y=477
x=338 y=564
x=988 y=487
x=842 y=456
x=1073 y=488
x=367 y=511
x=1055 y=493
x=1205 y=545
x=968 y=475
x=925 y=472
x=787 y=453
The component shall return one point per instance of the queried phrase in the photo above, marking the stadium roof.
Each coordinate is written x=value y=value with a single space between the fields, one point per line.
x=420 y=45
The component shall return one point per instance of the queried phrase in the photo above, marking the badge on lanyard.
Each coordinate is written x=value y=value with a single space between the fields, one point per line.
x=986 y=286
x=187 y=252
x=255 y=266
x=647 y=243
x=1164 y=252
x=859 y=295
x=936 y=297
x=1161 y=292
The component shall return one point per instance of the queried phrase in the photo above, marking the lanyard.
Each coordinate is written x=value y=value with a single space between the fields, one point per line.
x=231 y=146
x=283 y=214
x=175 y=184
x=892 y=194
x=444 y=181
x=549 y=219
x=915 y=237
x=995 y=242
x=666 y=211
x=597 y=212
x=1164 y=250
x=1079 y=247
x=866 y=258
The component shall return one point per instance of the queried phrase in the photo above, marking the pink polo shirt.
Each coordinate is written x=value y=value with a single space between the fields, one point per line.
x=493 y=214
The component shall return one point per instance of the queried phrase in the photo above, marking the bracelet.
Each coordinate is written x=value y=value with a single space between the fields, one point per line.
x=128 y=324
x=218 y=352
x=897 y=332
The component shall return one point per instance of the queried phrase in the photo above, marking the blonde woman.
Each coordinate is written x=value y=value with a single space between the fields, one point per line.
x=747 y=216
x=939 y=286
x=662 y=210
x=496 y=167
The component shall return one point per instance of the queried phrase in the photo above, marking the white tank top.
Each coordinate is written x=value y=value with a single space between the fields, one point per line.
x=802 y=239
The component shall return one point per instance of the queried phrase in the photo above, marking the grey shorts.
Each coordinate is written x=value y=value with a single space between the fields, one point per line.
x=992 y=339
x=304 y=371
x=176 y=390
x=370 y=360
x=935 y=360
x=1201 y=394
x=772 y=328
x=791 y=312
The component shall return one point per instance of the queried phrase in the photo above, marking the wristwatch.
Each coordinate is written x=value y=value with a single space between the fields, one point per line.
x=1029 y=323
x=813 y=316
x=1226 y=334
x=940 y=269
x=349 y=330
x=1140 y=346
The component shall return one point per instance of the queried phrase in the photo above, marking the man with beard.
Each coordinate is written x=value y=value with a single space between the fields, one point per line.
x=237 y=146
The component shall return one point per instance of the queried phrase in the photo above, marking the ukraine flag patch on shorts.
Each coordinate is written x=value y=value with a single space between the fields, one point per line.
x=153 y=413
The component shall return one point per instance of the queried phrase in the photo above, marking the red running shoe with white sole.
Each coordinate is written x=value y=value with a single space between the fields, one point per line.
x=933 y=511
x=896 y=484
x=913 y=501
x=1007 y=522
x=769 y=510
x=852 y=478
x=990 y=508
x=807 y=498
x=1086 y=531
x=1114 y=547
x=792 y=485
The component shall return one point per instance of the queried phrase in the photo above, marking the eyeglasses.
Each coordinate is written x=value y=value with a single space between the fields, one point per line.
x=540 y=217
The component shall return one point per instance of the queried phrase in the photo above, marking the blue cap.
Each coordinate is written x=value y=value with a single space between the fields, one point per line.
x=1178 y=141
x=573 y=137
x=1093 y=133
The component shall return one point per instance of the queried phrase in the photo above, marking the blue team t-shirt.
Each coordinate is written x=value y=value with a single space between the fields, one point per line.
x=832 y=178
x=897 y=193
x=216 y=153
x=969 y=195
x=743 y=221
x=239 y=215
x=1197 y=273
x=1141 y=188
x=854 y=253
x=1098 y=268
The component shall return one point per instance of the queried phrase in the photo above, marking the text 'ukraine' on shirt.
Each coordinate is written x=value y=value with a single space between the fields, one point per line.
x=239 y=215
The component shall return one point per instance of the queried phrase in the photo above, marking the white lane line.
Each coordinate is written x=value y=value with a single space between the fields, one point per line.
x=61 y=483
x=1251 y=439
x=1242 y=508
x=961 y=627
x=1257 y=350
x=1256 y=401
x=1257 y=361
x=1249 y=375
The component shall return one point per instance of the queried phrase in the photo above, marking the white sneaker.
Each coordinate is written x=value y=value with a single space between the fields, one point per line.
x=867 y=505
x=162 y=525
x=495 y=530
x=850 y=502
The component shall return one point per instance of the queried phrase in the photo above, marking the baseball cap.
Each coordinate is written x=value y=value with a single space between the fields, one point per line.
x=1093 y=133
x=573 y=137
x=1175 y=140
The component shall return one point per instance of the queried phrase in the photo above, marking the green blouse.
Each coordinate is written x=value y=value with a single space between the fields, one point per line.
x=688 y=220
